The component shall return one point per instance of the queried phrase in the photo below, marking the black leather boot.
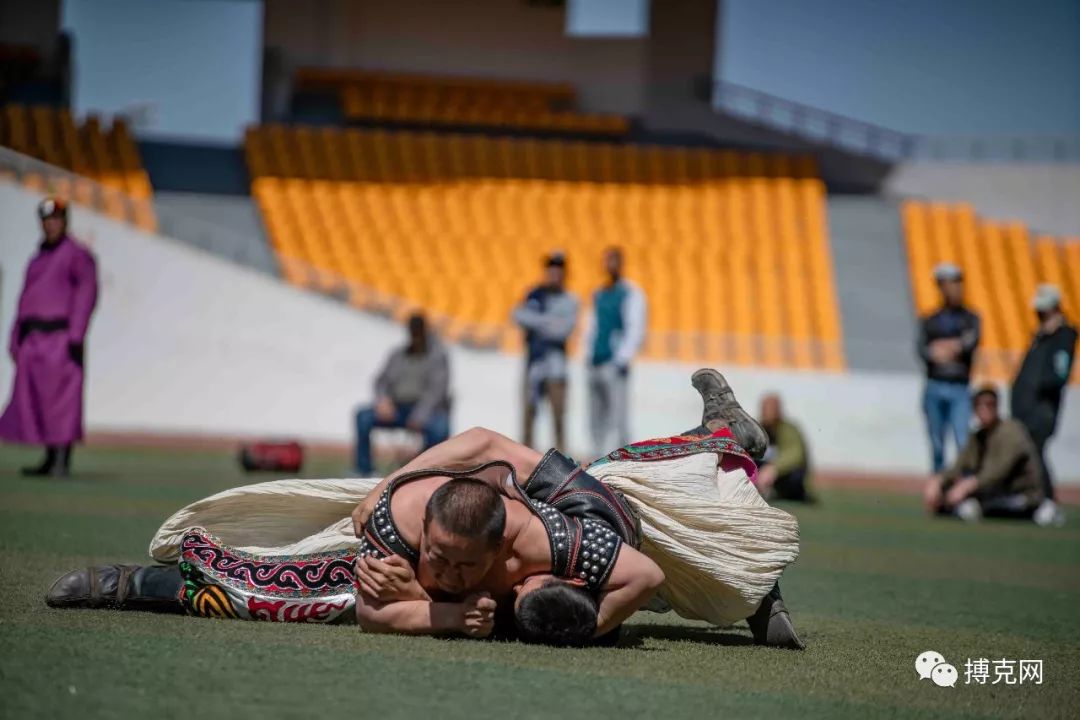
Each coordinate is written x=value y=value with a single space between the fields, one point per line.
x=154 y=588
x=62 y=467
x=771 y=624
x=46 y=466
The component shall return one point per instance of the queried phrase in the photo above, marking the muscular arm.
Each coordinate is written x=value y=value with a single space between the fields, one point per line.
x=468 y=449
x=408 y=617
x=634 y=579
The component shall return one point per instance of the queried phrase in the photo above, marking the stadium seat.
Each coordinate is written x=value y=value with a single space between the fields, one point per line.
x=457 y=101
x=109 y=157
x=733 y=256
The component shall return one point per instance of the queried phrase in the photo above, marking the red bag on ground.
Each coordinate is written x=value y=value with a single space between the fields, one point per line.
x=285 y=456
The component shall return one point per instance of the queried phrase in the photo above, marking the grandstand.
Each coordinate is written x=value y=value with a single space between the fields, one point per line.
x=454 y=101
x=106 y=155
x=456 y=225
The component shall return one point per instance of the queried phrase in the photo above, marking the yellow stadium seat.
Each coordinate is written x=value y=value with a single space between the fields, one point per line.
x=457 y=224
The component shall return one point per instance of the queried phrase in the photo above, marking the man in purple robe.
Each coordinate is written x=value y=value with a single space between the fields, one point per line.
x=47 y=340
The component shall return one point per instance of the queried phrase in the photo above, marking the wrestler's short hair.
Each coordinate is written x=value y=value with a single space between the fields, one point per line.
x=557 y=613
x=469 y=508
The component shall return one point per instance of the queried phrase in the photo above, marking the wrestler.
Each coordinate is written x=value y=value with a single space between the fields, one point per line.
x=274 y=551
x=587 y=525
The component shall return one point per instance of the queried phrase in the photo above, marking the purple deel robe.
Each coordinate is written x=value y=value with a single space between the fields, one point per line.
x=47 y=396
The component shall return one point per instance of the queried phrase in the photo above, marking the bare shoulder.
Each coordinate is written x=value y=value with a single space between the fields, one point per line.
x=408 y=503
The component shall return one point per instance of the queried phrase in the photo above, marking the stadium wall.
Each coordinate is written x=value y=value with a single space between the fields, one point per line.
x=1046 y=196
x=485 y=38
x=186 y=343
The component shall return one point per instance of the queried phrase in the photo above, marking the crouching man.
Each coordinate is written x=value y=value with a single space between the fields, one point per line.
x=997 y=473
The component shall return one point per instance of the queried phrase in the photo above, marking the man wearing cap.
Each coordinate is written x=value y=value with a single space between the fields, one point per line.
x=548 y=316
x=47 y=340
x=997 y=473
x=947 y=342
x=1039 y=387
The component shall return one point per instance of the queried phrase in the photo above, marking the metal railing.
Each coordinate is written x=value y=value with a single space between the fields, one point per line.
x=811 y=123
x=822 y=126
x=999 y=148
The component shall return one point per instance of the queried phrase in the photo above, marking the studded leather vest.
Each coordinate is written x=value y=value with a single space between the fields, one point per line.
x=586 y=522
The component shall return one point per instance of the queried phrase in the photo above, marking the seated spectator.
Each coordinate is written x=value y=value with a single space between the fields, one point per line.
x=998 y=471
x=412 y=391
x=785 y=469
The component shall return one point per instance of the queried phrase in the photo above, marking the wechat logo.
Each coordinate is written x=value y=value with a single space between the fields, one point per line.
x=932 y=665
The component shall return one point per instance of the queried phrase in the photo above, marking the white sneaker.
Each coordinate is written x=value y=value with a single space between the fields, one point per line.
x=1049 y=514
x=969 y=511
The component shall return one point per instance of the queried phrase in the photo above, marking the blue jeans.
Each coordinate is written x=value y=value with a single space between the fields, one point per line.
x=434 y=431
x=946 y=405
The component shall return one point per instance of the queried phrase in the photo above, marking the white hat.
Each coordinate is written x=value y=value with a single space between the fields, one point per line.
x=1047 y=297
x=947 y=271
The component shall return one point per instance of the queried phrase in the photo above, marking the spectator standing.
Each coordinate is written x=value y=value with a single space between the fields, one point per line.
x=548 y=315
x=412 y=391
x=1039 y=386
x=614 y=332
x=947 y=342
x=47 y=344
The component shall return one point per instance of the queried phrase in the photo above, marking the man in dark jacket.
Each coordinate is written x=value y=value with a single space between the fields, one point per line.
x=998 y=472
x=548 y=315
x=947 y=342
x=1039 y=387
x=412 y=391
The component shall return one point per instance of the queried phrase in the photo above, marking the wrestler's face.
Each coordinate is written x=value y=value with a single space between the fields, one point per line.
x=458 y=564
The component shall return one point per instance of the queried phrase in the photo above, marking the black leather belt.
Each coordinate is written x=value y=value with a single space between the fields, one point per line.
x=41 y=325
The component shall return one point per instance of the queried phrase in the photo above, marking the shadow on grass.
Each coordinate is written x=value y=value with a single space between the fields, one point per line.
x=635 y=636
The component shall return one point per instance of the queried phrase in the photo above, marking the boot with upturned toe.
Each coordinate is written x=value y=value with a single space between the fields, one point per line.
x=771 y=624
x=154 y=588
x=723 y=410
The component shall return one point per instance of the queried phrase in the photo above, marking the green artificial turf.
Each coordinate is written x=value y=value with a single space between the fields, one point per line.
x=876 y=585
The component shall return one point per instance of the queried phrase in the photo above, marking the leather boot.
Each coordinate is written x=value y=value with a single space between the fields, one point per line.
x=46 y=466
x=771 y=624
x=723 y=410
x=154 y=588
